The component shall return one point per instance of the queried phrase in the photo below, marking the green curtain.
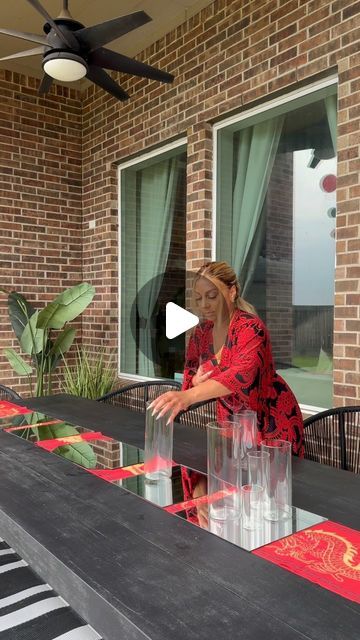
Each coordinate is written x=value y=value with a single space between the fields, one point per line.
x=331 y=112
x=158 y=188
x=250 y=263
x=254 y=154
x=129 y=234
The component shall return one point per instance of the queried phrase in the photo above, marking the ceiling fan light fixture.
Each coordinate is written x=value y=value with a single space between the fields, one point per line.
x=71 y=50
x=65 y=66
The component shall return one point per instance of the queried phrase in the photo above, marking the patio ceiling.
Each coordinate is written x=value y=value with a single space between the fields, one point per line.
x=21 y=16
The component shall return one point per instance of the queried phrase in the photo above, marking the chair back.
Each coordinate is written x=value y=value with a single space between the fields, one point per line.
x=333 y=437
x=8 y=394
x=135 y=396
x=198 y=415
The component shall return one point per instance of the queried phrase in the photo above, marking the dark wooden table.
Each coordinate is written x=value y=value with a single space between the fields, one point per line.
x=134 y=571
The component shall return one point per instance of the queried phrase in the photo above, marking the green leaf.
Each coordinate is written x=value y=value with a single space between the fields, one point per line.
x=18 y=364
x=81 y=453
x=91 y=374
x=32 y=338
x=47 y=317
x=60 y=430
x=20 y=310
x=66 y=307
x=64 y=341
x=21 y=421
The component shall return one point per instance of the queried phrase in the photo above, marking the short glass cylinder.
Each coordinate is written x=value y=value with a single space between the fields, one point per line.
x=224 y=471
x=258 y=467
x=252 y=506
x=158 y=446
x=278 y=484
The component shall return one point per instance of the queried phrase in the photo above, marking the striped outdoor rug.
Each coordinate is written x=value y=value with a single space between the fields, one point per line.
x=30 y=609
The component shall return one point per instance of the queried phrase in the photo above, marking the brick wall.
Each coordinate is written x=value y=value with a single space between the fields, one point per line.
x=226 y=58
x=40 y=204
x=347 y=296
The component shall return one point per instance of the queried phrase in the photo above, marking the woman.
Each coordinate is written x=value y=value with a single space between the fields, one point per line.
x=229 y=357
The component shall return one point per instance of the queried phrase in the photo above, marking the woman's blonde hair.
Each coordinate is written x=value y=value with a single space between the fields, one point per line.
x=222 y=272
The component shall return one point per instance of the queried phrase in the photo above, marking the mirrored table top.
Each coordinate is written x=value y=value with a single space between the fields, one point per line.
x=122 y=465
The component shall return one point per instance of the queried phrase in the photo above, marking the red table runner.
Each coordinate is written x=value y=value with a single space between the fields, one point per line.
x=54 y=443
x=196 y=502
x=9 y=409
x=31 y=426
x=120 y=473
x=327 y=554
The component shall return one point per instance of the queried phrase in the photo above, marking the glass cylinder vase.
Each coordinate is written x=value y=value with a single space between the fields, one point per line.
x=247 y=420
x=224 y=471
x=159 y=492
x=158 y=447
x=258 y=468
x=252 y=506
x=278 y=489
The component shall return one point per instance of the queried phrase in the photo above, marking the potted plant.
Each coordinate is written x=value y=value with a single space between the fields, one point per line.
x=35 y=329
x=44 y=336
x=91 y=375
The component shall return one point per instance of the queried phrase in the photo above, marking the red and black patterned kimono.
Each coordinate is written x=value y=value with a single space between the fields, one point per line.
x=246 y=368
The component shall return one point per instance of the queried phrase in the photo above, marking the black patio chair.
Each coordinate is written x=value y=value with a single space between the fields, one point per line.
x=135 y=396
x=9 y=394
x=198 y=415
x=333 y=437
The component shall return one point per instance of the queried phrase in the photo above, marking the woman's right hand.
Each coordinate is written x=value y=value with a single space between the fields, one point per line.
x=201 y=376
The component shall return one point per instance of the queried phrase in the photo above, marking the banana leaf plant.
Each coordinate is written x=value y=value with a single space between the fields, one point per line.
x=44 y=335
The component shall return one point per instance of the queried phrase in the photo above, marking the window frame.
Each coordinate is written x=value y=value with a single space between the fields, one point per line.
x=137 y=160
x=270 y=105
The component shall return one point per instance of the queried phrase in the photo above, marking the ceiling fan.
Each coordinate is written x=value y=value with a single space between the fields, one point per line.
x=71 y=51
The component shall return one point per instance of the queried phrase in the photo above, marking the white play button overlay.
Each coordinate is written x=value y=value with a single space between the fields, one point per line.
x=178 y=320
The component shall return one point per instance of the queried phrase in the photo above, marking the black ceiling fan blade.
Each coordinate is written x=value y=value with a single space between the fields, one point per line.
x=23 y=54
x=99 y=34
x=117 y=62
x=66 y=37
x=31 y=37
x=102 y=79
x=45 y=84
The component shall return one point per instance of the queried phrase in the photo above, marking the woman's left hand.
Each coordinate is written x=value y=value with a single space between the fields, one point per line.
x=170 y=402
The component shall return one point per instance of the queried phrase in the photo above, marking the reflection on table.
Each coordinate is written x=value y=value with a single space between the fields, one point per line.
x=122 y=465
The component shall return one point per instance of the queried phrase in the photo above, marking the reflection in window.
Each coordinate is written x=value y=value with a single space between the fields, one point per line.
x=276 y=207
x=153 y=219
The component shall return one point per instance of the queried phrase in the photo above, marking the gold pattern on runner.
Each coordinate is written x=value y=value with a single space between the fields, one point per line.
x=323 y=551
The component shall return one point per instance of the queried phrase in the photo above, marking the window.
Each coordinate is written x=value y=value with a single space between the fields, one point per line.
x=276 y=204
x=152 y=261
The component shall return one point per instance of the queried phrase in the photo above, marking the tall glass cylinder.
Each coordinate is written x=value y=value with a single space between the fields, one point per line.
x=159 y=492
x=238 y=451
x=224 y=471
x=226 y=529
x=278 y=489
x=247 y=419
x=158 y=447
